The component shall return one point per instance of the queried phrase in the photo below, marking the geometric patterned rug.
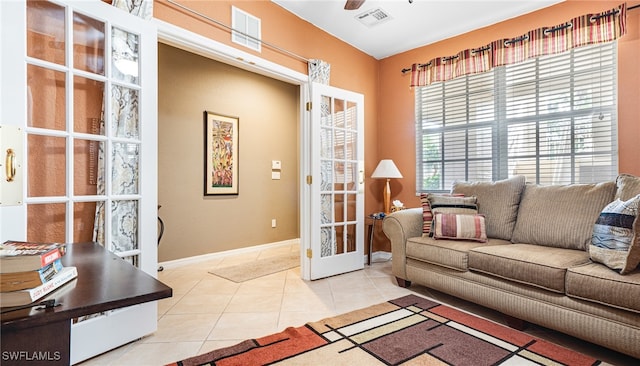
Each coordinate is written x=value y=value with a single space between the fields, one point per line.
x=410 y=330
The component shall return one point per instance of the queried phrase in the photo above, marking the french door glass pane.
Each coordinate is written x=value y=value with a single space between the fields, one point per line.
x=47 y=166
x=85 y=167
x=83 y=218
x=124 y=63
x=87 y=106
x=124 y=225
x=326 y=209
x=46 y=98
x=125 y=165
x=326 y=175
x=88 y=44
x=45 y=31
x=124 y=114
x=46 y=222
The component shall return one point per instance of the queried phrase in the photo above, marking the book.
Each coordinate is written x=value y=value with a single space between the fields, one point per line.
x=15 y=281
x=21 y=256
x=24 y=297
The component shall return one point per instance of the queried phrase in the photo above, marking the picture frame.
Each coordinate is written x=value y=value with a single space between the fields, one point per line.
x=221 y=138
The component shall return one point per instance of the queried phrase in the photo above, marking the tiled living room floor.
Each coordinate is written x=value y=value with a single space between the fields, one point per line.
x=208 y=312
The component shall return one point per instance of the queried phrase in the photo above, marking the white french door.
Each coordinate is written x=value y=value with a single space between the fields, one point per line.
x=336 y=186
x=79 y=78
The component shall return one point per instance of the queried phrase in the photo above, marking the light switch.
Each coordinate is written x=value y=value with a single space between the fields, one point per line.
x=276 y=165
x=275 y=175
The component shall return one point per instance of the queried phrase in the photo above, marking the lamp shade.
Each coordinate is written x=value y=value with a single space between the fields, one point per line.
x=386 y=169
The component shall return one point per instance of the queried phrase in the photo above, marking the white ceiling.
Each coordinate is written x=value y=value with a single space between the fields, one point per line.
x=410 y=25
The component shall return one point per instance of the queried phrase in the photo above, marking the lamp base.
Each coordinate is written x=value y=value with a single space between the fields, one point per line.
x=386 y=194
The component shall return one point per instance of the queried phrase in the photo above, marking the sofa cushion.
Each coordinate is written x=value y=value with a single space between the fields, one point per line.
x=459 y=227
x=595 y=282
x=535 y=265
x=427 y=215
x=447 y=253
x=561 y=216
x=616 y=236
x=497 y=201
x=628 y=186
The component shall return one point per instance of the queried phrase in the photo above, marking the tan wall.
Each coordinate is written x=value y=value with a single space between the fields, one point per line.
x=268 y=111
x=399 y=98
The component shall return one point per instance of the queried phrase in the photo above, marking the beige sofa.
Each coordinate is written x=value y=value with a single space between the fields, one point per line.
x=536 y=265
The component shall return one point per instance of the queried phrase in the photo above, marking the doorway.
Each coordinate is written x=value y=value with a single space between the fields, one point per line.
x=267 y=111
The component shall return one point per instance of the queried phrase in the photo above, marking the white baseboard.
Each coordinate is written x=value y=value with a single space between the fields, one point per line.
x=205 y=257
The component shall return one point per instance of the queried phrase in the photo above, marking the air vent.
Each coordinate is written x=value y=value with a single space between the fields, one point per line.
x=373 y=17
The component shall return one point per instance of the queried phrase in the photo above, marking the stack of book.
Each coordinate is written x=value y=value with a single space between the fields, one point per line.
x=29 y=271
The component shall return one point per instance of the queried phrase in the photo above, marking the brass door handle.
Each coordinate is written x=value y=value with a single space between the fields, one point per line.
x=10 y=165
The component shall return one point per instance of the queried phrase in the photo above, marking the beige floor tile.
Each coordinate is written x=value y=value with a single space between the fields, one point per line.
x=201 y=303
x=183 y=328
x=154 y=354
x=308 y=300
x=260 y=301
x=245 y=325
x=216 y=285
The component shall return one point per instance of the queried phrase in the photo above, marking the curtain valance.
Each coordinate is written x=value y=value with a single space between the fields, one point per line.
x=580 y=31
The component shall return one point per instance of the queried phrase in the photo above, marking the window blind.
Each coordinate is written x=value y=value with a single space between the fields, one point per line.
x=552 y=119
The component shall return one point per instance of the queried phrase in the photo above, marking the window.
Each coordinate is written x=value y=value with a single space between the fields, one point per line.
x=552 y=119
x=246 y=29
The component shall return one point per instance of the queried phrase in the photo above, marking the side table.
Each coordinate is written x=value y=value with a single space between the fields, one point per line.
x=371 y=221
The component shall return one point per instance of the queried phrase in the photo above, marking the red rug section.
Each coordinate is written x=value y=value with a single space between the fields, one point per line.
x=485 y=326
x=276 y=347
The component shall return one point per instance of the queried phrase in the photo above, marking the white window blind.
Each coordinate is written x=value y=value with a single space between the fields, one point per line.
x=552 y=119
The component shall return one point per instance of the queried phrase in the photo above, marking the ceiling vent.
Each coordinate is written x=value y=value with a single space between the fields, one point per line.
x=373 y=17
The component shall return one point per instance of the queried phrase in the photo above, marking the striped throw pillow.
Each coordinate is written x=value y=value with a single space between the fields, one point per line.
x=427 y=214
x=459 y=227
x=616 y=236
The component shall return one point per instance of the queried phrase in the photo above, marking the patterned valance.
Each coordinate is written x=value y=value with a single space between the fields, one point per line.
x=580 y=31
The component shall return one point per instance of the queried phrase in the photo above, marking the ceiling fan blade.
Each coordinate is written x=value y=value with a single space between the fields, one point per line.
x=353 y=4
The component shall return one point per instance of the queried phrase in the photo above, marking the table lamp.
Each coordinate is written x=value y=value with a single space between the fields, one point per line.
x=386 y=169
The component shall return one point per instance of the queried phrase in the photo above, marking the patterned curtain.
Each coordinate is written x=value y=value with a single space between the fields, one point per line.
x=580 y=31
x=124 y=165
x=319 y=71
x=140 y=8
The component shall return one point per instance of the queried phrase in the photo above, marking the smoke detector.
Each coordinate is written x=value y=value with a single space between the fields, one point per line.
x=373 y=17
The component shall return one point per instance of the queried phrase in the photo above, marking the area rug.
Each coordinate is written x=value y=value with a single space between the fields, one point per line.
x=258 y=268
x=410 y=330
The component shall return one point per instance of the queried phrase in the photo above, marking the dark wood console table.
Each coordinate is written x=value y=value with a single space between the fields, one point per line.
x=105 y=282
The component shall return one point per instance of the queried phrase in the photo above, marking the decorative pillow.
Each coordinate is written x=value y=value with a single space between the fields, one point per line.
x=459 y=227
x=628 y=186
x=427 y=215
x=616 y=236
x=498 y=201
x=452 y=204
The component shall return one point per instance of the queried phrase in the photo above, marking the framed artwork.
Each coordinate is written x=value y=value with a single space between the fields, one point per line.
x=220 y=154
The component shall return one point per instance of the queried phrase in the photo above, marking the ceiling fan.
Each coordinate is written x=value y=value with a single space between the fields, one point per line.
x=356 y=4
x=353 y=4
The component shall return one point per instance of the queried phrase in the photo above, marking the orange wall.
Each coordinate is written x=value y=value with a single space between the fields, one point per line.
x=396 y=114
x=351 y=69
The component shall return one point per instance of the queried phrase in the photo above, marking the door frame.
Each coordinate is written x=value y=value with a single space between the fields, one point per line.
x=181 y=38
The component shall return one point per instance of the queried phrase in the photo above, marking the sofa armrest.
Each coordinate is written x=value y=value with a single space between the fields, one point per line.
x=398 y=227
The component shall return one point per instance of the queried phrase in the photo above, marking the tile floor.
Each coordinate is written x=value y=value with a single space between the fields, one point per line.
x=208 y=312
